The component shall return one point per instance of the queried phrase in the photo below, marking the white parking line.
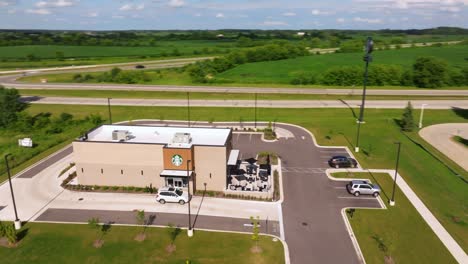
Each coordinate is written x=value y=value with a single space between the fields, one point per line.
x=363 y=198
x=339 y=187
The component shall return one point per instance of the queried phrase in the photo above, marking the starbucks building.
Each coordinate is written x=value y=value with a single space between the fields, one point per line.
x=140 y=156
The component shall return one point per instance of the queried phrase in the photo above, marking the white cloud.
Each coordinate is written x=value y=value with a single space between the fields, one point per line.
x=131 y=7
x=220 y=15
x=367 y=20
x=7 y=3
x=317 y=12
x=58 y=3
x=12 y=11
x=92 y=14
x=274 y=23
x=40 y=11
x=176 y=3
x=451 y=9
x=118 y=17
x=340 y=20
x=197 y=15
x=289 y=14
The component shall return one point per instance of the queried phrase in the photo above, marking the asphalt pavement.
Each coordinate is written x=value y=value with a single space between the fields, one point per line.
x=378 y=104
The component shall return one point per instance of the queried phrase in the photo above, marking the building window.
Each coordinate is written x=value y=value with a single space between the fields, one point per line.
x=141 y=172
x=82 y=170
x=121 y=172
x=102 y=171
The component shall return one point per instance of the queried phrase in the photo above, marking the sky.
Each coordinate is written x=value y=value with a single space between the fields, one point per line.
x=237 y=14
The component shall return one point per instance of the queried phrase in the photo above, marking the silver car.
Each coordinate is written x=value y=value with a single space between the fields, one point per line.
x=363 y=187
x=172 y=195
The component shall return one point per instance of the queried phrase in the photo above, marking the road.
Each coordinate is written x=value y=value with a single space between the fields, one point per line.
x=379 y=104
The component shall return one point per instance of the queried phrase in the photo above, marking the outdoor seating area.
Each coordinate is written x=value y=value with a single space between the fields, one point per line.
x=249 y=176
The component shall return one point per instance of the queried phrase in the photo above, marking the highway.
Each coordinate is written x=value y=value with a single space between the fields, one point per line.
x=378 y=104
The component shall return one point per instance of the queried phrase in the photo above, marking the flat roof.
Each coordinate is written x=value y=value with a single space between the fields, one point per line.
x=162 y=135
x=233 y=157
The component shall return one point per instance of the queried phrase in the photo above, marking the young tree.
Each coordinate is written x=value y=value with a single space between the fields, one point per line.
x=173 y=232
x=255 y=234
x=140 y=219
x=10 y=234
x=93 y=223
x=407 y=120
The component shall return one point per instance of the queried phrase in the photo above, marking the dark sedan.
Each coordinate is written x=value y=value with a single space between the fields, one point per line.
x=342 y=162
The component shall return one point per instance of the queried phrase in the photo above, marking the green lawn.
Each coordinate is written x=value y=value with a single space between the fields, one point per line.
x=215 y=96
x=49 y=51
x=283 y=71
x=422 y=171
x=400 y=228
x=62 y=243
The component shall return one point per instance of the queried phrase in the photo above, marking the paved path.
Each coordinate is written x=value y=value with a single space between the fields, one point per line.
x=440 y=136
x=457 y=252
x=380 y=104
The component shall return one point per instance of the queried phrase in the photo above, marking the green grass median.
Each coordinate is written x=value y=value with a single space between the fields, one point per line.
x=398 y=233
x=65 y=243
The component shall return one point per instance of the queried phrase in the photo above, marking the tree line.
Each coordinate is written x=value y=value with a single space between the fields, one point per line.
x=426 y=72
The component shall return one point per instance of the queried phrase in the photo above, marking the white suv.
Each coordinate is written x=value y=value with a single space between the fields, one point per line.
x=172 y=195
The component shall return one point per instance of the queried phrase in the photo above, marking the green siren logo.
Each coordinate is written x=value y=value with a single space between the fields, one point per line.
x=177 y=160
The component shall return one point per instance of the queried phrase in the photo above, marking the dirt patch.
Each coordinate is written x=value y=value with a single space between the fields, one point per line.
x=256 y=249
x=4 y=243
x=170 y=248
x=140 y=237
x=389 y=260
x=98 y=243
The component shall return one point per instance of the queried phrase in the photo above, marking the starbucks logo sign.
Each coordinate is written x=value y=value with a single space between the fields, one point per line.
x=177 y=160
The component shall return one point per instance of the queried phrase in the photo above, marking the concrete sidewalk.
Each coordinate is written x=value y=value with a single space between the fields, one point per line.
x=440 y=136
x=457 y=252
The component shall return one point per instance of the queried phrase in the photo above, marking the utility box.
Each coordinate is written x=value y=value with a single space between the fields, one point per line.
x=120 y=135
x=25 y=142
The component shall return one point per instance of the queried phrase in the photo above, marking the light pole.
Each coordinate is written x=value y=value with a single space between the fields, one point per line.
x=392 y=201
x=421 y=116
x=367 y=59
x=188 y=109
x=109 y=109
x=190 y=230
x=255 y=110
x=17 y=221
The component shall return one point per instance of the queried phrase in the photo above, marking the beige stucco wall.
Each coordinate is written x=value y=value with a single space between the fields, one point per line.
x=210 y=161
x=121 y=163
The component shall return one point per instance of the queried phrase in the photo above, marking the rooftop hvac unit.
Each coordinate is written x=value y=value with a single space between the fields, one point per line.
x=182 y=138
x=120 y=135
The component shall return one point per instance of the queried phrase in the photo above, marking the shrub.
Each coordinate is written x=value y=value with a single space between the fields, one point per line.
x=407 y=121
x=429 y=72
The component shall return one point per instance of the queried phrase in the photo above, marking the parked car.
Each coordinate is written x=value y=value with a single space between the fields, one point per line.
x=342 y=162
x=139 y=66
x=172 y=195
x=363 y=187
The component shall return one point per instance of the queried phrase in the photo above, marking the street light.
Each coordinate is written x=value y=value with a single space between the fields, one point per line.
x=17 y=221
x=255 y=110
x=190 y=230
x=392 y=201
x=367 y=59
x=188 y=108
x=421 y=116
x=109 y=109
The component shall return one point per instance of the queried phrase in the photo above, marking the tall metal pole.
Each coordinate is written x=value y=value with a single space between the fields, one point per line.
x=392 y=201
x=188 y=108
x=367 y=59
x=421 y=116
x=17 y=221
x=255 y=110
x=109 y=109
x=189 y=231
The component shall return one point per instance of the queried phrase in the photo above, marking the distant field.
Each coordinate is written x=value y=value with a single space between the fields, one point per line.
x=43 y=51
x=284 y=71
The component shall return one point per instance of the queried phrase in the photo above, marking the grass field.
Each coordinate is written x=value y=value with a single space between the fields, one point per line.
x=49 y=51
x=61 y=243
x=285 y=70
x=422 y=171
x=404 y=234
x=216 y=96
